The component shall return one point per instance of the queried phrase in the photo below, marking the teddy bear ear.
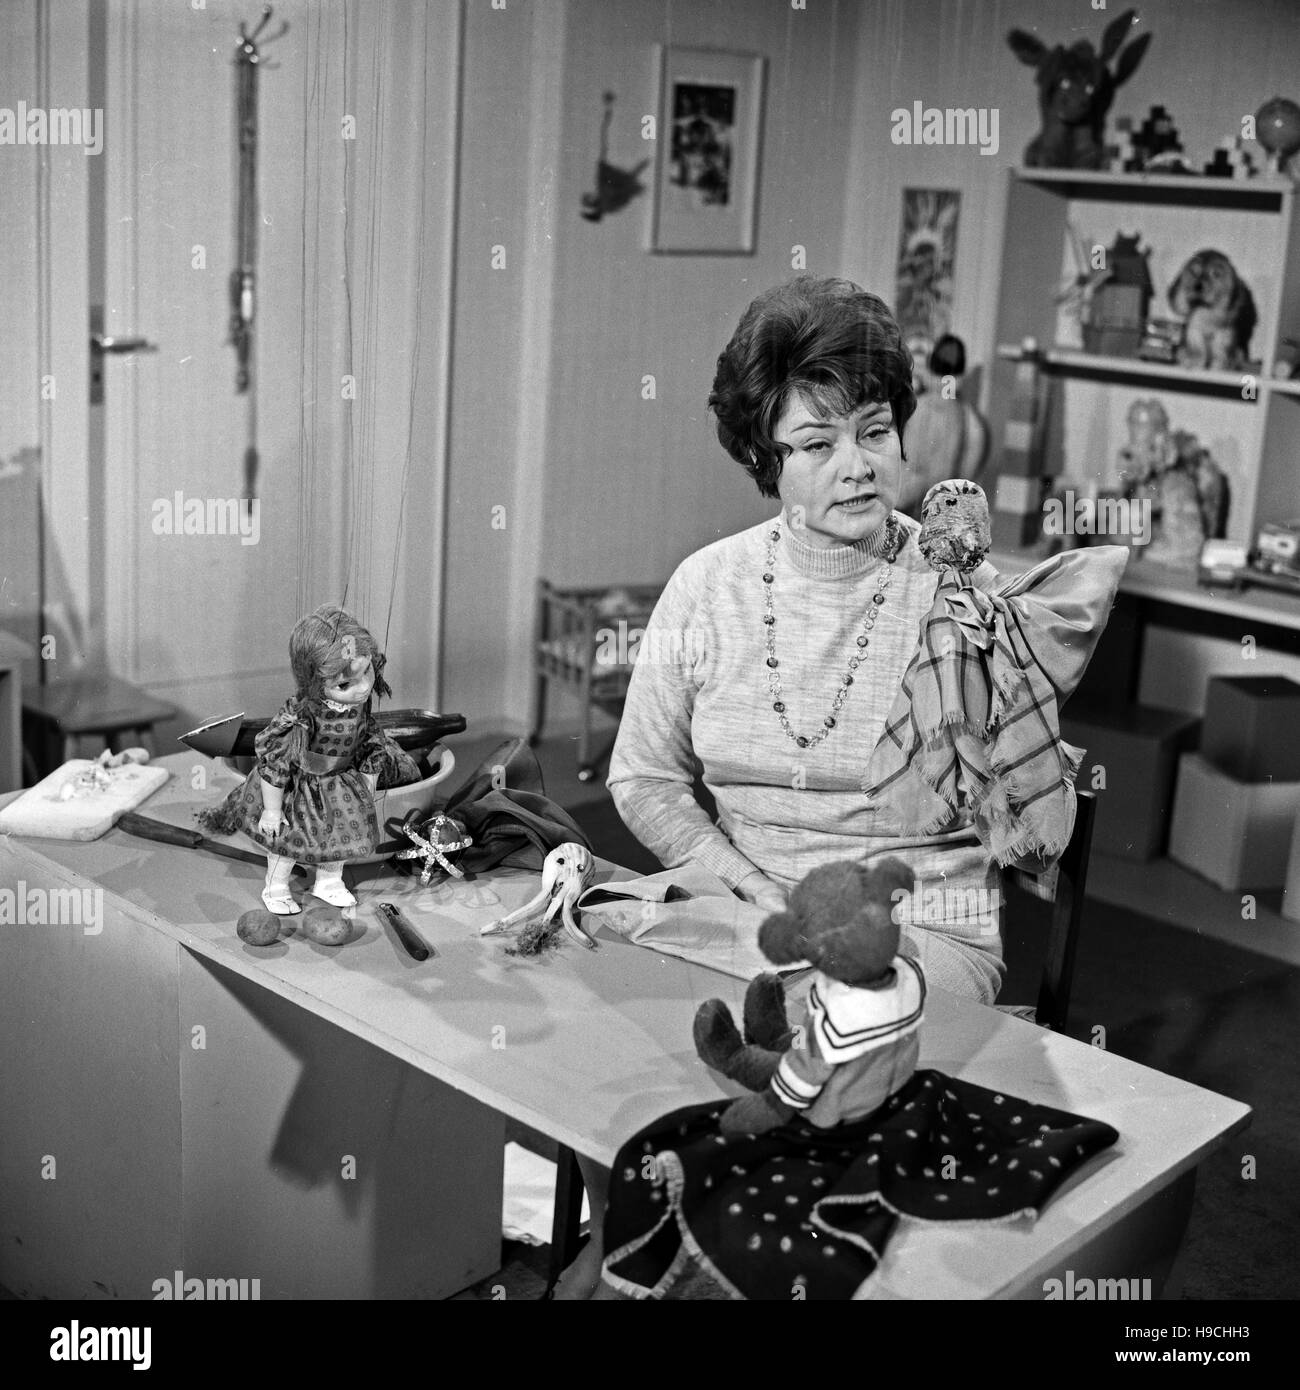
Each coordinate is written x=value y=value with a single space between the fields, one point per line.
x=888 y=876
x=781 y=941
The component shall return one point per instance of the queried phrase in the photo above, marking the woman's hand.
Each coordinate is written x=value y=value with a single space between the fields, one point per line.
x=758 y=889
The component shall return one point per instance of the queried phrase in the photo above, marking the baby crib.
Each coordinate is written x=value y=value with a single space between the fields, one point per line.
x=585 y=639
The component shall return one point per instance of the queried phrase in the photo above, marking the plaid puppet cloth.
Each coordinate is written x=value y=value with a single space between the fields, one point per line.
x=975 y=724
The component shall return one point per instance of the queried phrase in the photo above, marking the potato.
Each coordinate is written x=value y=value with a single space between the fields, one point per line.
x=258 y=927
x=327 y=926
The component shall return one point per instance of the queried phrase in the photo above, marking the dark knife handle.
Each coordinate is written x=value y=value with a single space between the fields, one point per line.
x=414 y=943
x=149 y=829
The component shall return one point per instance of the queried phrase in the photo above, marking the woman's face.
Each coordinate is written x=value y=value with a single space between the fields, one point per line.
x=842 y=476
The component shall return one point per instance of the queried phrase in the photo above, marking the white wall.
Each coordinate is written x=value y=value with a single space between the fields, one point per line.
x=602 y=486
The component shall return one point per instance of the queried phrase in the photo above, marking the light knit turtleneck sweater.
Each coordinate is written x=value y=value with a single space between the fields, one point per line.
x=700 y=689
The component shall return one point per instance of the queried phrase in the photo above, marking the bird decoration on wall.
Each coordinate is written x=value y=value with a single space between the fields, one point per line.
x=615 y=188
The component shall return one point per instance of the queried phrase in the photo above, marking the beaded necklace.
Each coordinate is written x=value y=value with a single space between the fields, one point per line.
x=892 y=538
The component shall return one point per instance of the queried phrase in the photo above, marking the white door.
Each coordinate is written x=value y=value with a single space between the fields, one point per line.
x=155 y=564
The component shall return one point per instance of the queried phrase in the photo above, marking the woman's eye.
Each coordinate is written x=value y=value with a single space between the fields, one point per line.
x=816 y=446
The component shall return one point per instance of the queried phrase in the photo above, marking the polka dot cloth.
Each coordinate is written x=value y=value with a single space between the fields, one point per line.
x=800 y=1205
x=330 y=815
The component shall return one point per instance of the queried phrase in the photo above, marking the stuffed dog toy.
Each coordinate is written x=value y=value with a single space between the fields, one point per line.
x=858 y=1038
x=1219 y=310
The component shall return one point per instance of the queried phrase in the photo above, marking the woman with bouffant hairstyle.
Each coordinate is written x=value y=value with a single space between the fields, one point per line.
x=792 y=639
x=838 y=344
x=801 y=629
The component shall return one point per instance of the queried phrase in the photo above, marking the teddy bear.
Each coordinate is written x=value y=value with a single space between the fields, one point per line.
x=858 y=1037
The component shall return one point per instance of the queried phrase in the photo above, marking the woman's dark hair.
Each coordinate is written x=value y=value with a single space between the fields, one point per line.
x=824 y=337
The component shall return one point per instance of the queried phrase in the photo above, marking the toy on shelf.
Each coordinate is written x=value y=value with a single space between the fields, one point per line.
x=1075 y=293
x=1115 y=320
x=1154 y=147
x=566 y=873
x=946 y=436
x=1161 y=340
x=861 y=1025
x=1232 y=160
x=1172 y=474
x=311 y=797
x=1277 y=550
x=1277 y=128
x=1075 y=91
x=1219 y=310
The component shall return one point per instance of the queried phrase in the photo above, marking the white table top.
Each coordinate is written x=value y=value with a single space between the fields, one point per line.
x=588 y=1046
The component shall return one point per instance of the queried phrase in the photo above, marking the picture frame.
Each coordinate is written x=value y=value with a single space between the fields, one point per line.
x=708 y=151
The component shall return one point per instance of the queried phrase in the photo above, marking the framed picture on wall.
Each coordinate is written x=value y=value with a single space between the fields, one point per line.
x=710 y=128
x=927 y=256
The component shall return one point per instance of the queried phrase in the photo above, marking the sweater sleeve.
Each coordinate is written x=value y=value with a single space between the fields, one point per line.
x=652 y=767
x=800 y=1077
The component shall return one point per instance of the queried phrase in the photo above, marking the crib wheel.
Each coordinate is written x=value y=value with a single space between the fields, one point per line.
x=585 y=774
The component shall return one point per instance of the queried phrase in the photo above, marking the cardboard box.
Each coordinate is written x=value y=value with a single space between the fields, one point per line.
x=1236 y=834
x=1252 y=727
x=1137 y=748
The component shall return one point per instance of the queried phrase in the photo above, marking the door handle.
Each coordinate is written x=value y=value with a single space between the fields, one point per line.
x=100 y=343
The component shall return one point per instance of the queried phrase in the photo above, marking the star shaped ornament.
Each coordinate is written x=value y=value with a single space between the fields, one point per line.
x=435 y=841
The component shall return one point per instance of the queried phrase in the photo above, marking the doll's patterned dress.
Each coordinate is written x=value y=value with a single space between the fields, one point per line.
x=318 y=752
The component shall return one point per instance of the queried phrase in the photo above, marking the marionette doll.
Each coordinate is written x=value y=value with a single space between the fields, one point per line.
x=311 y=797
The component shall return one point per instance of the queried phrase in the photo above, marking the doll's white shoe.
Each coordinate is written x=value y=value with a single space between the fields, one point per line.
x=276 y=894
x=280 y=900
x=330 y=888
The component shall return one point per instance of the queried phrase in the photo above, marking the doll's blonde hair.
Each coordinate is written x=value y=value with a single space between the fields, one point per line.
x=324 y=644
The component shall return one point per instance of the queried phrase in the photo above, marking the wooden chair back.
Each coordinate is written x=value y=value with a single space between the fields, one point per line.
x=1063 y=887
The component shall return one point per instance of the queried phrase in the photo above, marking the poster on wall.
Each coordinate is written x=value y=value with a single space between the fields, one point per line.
x=927 y=255
x=710 y=118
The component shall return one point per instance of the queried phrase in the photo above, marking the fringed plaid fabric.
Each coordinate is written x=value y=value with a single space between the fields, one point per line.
x=975 y=725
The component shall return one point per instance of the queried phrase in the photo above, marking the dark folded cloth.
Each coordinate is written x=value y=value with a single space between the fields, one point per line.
x=504 y=807
x=801 y=1206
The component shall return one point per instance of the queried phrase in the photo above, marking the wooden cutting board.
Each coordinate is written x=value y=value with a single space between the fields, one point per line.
x=39 y=811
